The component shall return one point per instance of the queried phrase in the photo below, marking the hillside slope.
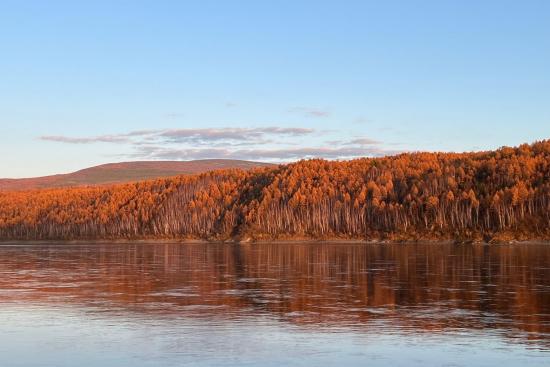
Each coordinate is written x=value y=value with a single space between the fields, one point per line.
x=496 y=195
x=113 y=173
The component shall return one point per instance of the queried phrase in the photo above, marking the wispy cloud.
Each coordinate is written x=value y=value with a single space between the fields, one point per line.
x=173 y=115
x=229 y=134
x=86 y=140
x=271 y=143
x=310 y=111
x=186 y=135
x=365 y=141
x=278 y=154
x=356 y=141
x=361 y=120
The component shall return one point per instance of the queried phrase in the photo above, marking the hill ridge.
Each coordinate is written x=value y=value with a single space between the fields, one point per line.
x=121 y=172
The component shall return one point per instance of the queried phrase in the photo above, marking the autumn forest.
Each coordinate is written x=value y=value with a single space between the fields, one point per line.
x=489 y=196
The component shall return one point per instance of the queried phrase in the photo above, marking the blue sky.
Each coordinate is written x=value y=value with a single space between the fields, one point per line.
x=84 y=83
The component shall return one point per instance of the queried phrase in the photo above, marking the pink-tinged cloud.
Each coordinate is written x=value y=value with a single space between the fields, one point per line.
x=365 y=141
x=276 y=154
x=310 y=112
x=85 y=140
x=186 y=135
x=261 y=143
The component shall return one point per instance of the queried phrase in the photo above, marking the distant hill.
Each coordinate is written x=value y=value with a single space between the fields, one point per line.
x=125 y=172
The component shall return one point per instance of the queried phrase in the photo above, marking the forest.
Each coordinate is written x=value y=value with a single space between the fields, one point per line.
x=491 y=196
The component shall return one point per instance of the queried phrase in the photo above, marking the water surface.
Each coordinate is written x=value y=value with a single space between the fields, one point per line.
x=274 y=305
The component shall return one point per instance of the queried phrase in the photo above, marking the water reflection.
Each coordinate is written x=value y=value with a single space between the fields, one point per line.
x=500 y=291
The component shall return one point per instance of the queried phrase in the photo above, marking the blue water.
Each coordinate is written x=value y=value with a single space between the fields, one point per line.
x=274 y=305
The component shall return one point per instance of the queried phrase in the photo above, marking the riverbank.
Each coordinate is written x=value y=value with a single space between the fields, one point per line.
x=329 y=241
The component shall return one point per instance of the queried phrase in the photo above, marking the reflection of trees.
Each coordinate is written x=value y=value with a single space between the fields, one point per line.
x=422 y=287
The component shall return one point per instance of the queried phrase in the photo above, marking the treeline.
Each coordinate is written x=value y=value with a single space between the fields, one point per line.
x=502 y=194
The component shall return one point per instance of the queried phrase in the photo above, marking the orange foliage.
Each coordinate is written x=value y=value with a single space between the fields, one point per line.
x=408 y=196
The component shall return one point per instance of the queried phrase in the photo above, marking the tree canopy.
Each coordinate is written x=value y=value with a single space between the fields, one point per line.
x=503 y=193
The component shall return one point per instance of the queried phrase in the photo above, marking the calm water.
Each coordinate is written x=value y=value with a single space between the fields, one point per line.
x=274 y=305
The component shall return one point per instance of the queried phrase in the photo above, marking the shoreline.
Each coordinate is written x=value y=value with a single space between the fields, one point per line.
x=334 y=241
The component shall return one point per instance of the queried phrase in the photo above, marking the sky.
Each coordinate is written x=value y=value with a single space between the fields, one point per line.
x=90 y=82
